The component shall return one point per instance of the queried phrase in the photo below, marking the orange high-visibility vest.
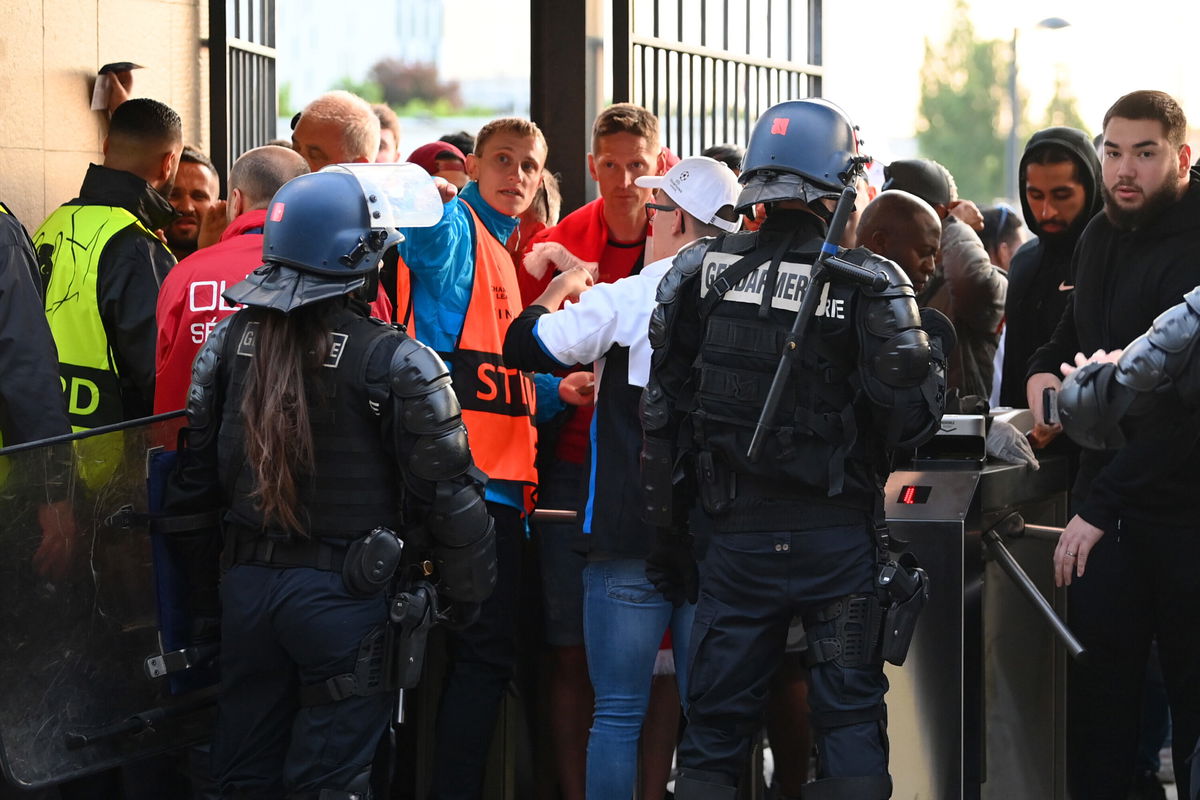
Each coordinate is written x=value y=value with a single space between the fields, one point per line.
x=498 y=402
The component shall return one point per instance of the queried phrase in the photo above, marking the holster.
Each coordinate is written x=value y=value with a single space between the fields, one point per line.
x=413 y=613
x=906 y=586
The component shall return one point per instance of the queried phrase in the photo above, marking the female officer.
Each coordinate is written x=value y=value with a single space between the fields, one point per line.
x=318 y=431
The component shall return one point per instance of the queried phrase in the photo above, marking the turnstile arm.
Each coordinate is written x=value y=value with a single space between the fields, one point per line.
x=1027 y=587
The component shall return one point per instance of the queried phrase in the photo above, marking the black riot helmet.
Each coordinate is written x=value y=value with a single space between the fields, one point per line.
x=799 y=150
x=326 y=231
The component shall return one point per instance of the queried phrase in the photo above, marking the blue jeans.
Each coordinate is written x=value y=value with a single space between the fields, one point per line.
x=624 y=618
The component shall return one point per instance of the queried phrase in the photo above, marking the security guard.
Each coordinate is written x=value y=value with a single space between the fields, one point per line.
x=103 y=265
x=318 y=431
x=798 y=529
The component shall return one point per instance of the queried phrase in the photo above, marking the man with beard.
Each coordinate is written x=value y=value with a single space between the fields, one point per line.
x=1129 y=552
x=196 y=190
x=1060 y=193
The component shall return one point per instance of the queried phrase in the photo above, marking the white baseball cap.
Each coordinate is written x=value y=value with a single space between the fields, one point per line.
x=702 y=187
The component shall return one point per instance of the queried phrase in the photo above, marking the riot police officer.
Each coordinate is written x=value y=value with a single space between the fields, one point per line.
x=799 y=528
x=318 y=431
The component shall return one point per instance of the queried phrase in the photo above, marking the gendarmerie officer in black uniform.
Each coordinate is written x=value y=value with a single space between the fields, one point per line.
x=799 y=528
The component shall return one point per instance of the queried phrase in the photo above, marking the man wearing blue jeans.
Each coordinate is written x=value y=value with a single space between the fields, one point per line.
x=624 y=616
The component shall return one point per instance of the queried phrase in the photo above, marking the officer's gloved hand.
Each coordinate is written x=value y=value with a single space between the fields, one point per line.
x=671 y=567
x=1006 y=443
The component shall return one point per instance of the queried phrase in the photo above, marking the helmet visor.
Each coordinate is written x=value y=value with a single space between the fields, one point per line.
x=398 y=195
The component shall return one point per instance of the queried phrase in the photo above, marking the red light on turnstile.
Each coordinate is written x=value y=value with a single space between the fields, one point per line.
x=912 y=494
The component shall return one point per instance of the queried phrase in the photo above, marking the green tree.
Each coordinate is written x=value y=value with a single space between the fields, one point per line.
x=963 y=95
x=284 y=100
x=1063 y=108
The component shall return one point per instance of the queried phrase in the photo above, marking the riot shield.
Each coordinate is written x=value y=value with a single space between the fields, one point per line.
x=78 y=616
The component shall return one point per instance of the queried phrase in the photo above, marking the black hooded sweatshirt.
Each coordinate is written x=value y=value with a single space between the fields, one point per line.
x=1039 y=275
x=1123 y=280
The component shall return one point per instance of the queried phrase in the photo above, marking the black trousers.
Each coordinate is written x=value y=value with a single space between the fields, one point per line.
x=281 y=629
x=1141 y=583
x=482 y=661
x=751 y=586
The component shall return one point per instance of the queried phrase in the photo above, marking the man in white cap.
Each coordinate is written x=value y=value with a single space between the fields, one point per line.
x=609 y=326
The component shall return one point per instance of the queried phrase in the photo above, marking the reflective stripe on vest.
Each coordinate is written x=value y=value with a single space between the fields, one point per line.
x=76 y=236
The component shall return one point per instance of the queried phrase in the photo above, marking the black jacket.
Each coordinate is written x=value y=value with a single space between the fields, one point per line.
x=1123 y=280
x=1039 y=275
x=31 y=399
x=131 y=268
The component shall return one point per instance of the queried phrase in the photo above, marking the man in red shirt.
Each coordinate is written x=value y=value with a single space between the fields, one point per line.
x=190 y=303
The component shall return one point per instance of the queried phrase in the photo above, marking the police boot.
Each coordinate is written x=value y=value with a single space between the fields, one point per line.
x=696 y=785
x=870 y=787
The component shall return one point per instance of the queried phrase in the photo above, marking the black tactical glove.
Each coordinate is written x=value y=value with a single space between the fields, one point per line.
x=671 y=567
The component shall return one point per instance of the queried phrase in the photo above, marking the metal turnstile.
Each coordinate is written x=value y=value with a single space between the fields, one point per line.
x=978 y=709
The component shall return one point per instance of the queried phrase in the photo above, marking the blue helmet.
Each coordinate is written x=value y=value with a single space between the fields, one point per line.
x=799 y=150
x=327 y=231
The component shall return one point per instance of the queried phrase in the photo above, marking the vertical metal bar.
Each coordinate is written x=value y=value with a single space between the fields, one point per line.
x=790 y=31
x=655 y=7
x=679 y=95
x=679 y=21
x=770 y=37
x=703 y=22
x=815 y=55
x=725 y=26
x=218 y=90
x=622 y=54
x=706 y=108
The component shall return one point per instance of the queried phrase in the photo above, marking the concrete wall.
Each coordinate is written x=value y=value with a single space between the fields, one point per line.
x=49 y=53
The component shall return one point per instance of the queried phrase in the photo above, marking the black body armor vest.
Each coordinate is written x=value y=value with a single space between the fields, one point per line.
x=355 y=484
x=818 y=451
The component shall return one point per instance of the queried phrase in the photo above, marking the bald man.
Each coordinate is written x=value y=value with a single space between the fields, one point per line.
x=105 y=265
x=904 y=228
x=336 y=128
x=190 y=304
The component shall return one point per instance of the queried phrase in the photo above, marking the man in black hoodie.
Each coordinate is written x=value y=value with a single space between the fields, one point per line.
x=1129 y=553
x=1060 y=193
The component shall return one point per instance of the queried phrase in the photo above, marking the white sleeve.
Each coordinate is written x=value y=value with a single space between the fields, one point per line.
x=607 y=314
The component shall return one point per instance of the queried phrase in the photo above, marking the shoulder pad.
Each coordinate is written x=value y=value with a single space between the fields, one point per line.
x=416 y=369
x=1175 y=329
x=739 y=242
x=687 y=263
x=899 y=284
x=201 y=392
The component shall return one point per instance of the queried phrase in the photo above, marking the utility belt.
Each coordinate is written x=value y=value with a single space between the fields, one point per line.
x=739 y=501
x=392 y=655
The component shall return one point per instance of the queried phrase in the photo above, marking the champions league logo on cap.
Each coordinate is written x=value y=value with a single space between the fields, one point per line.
x=678 y=181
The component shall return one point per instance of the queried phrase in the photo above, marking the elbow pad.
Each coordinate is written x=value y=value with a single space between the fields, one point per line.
x=1156 y=358
x=1091 y=405
x=426 y=407
x=468 y=574
x=202 y=392
x=658 y=468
